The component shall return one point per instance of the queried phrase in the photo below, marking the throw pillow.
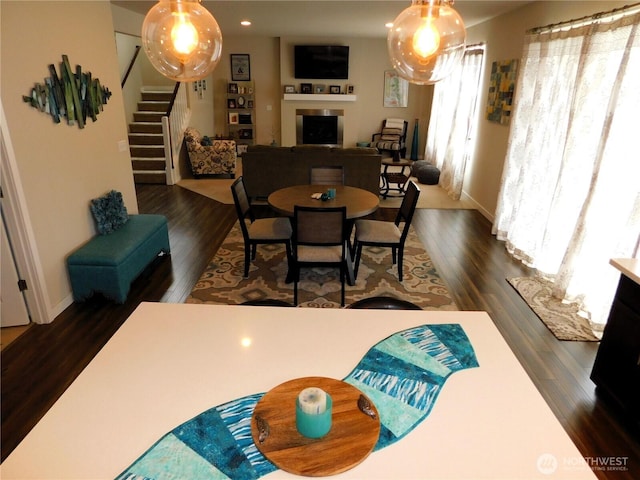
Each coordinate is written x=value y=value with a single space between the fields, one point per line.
x=206 y=141
x=391 y=131
x=109 y=212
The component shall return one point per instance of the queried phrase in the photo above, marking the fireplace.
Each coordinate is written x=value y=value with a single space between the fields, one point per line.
x=319 y=127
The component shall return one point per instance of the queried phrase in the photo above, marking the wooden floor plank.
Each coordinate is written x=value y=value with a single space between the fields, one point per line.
x=41 y=363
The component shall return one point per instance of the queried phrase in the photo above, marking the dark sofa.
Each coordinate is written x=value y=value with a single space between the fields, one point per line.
x=266 y=169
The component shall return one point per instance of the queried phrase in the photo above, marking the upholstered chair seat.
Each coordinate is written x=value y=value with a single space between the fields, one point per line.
x=378 y=231
x=269 y=228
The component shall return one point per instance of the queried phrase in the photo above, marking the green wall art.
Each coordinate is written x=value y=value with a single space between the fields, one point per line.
x=71 y=96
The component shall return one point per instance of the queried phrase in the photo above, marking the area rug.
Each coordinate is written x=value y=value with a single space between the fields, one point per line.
x=561 y=318
x=222 y=281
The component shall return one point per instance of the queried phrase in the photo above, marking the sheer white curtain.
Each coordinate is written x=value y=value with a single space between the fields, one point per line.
x=570 y=195
x=452 y=123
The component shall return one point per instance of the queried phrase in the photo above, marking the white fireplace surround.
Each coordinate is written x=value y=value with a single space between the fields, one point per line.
x=332 y=138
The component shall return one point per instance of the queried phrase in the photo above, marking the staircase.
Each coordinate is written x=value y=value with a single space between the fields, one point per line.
x=146 y=141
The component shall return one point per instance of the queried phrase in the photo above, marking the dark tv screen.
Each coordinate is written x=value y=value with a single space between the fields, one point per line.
x=321 y=62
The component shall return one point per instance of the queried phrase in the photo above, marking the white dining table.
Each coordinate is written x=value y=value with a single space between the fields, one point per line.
x=170 y=362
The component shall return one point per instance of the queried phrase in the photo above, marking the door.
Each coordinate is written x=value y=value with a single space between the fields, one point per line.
x=13 y=309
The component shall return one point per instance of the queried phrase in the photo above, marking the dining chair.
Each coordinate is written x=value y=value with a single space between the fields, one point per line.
x=258 y=231
x=326 y=175
x=388 y=234
x=319 y=240
x=383 y=302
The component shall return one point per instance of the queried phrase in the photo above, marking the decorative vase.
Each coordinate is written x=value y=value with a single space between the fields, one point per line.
x=414 y=144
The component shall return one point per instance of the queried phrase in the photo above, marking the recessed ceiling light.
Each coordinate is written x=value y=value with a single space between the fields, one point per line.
x=245 y=23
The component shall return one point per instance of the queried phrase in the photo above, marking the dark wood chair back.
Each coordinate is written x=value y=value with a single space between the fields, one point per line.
x=327 y=175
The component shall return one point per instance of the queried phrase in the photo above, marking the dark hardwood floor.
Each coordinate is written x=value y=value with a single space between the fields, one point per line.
x=42 y=363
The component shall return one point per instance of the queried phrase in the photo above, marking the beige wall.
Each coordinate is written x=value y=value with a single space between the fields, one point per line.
x=368 y=60
x=271 y=69
x=504 y=38
x=263 y=56
x=128 y=26
x=62 y=167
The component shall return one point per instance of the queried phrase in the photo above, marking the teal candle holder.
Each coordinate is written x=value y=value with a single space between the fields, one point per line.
x=314 y=425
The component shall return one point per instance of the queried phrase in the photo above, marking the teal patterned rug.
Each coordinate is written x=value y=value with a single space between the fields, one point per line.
x=403 y=375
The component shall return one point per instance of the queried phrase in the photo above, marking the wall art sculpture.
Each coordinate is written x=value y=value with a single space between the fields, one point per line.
x=71 y=96
x=501 y=88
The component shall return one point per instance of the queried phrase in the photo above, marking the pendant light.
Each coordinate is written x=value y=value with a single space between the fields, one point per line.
x=426 y=41
x=182 y=39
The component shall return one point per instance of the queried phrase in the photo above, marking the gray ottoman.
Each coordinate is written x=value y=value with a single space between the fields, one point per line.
x=425 y=172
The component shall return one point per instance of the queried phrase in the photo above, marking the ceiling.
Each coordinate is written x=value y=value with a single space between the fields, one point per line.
x=335 y=18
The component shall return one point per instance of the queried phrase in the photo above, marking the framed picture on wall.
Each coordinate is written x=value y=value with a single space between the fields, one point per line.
x=240 y=67
x=396 y=90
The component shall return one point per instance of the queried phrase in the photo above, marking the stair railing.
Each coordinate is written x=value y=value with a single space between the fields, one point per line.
x=174 y=124
x=130 y=67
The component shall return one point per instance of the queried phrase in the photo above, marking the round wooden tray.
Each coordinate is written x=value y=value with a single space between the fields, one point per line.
x=351 y=439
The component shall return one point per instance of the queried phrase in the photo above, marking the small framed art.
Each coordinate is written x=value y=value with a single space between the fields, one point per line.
x=319 y=88
x=231 y=103
x=289 y=89
x=232 y=88
x=334 y=89
x=234 y=118
x=240 y=67
x=306 y=88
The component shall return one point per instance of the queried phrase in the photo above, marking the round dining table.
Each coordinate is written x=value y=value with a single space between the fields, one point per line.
x=359 y=202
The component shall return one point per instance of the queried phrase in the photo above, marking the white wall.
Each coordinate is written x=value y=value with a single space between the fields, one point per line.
x=504 y=37
x=62 y=167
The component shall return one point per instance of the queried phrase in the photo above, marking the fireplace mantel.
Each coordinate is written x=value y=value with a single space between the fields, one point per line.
x=319 y=97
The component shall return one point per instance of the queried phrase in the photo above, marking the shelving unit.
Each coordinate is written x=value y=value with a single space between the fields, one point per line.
x=241 y=114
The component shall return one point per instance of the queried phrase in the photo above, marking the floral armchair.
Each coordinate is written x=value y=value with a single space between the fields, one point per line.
x=210 y=157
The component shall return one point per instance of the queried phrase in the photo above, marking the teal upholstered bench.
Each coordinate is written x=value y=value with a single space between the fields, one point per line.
x=108 y=264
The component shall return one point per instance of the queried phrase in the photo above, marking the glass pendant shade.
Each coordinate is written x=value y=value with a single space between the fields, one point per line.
x=426 y=41
x=182 y=39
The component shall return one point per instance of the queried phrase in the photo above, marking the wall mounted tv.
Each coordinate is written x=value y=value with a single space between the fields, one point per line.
x=321 y=62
